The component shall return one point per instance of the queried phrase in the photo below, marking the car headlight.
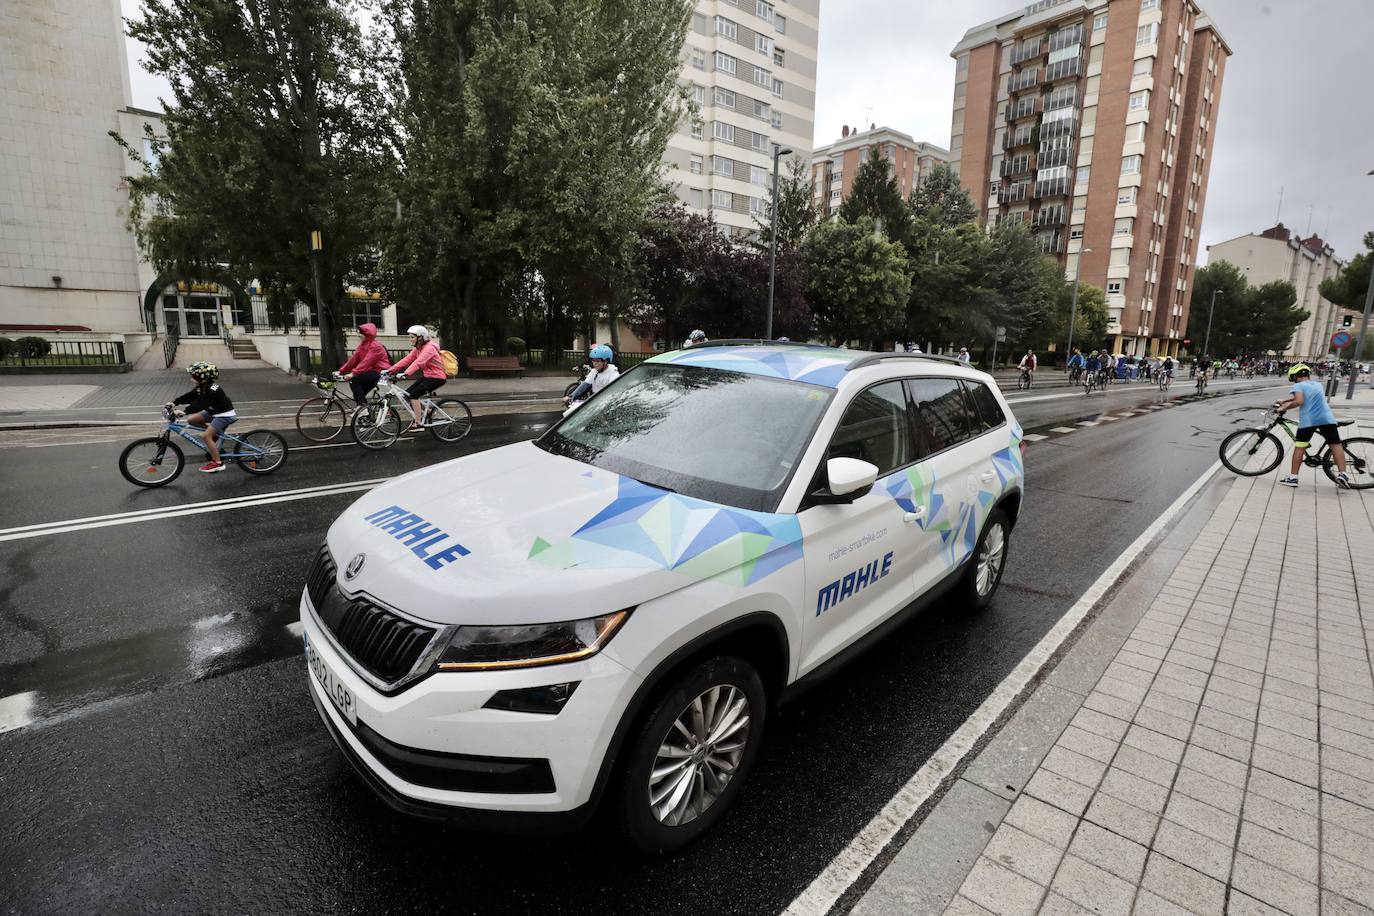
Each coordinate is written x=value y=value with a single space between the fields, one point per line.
x=488 y=648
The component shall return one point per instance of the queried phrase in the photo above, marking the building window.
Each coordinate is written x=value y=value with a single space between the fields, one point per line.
x=780 y=23
x=776 y=119
x=760 y=143
x=1123 y=226
x=1143 y=67
x=722 y=199
x=762 y=77
x=777 y=88
x=726 y=27
x=1113 y=287
x=761 y=110
x=1130 y=165
x=699 y=58
x=698 y=94
x=1126 y=196
x=779 y=58
x=694 y=197
x=834 y=195
x=763 y=44
x=1120 y=257
x=722 y=131
x=726 y=63
x=1081 y=177
x=1147 y=34
x=696 y=130
x=1135 y=133
x=758 y=175
x=1138 y=100
x=756 y=206
x=696 y=163
x=763 y=10
x=1100 y=22
x=725 y=97
x=722 y=166
x=1075 y=232
x=1147 y=5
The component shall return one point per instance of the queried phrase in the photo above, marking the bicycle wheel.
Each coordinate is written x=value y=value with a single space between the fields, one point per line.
x=377 y=427
x=1359 y=463
x=459 y=417
x=1251 y=452
x=321 y=419
x=151 y=462
x=271 y=446
x=1022 y=382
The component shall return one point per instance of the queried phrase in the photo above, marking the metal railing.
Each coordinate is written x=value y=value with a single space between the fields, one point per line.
x=1062 y=69
x=1052 y=187
x=1014 y=193
x=169 y=347
x=1023 y=79
x=65 y=353
x=1027 y=50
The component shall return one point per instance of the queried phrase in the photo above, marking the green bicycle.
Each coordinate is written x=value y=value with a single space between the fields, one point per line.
x=1257 y=451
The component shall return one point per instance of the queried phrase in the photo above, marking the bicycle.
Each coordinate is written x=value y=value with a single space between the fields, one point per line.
x=1201 y=383
x=1165 y=379
x=1075 y=375
x=1023 y=382
x=323 y=417
x=157 y=460
x=1091 y=382
x=379 y=425
x=1261 y=451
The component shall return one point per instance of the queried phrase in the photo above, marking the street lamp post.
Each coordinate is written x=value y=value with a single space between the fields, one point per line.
x=1207 y=339
x=1364 y=326
x=773 y=242
x=1073 y=308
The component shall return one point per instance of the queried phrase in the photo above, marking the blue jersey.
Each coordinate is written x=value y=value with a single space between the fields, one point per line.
x=1314 y=410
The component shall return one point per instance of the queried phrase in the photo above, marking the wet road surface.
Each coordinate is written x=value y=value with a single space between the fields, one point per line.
x=162 y=751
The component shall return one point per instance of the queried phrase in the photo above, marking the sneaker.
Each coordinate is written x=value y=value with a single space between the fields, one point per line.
x=212 y=467
x=1290 y=481
x=1343 y=481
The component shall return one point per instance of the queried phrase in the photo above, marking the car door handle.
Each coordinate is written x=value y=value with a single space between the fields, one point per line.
x=912 y=518
x=988 y=476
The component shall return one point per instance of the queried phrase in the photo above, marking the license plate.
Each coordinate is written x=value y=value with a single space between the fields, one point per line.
x=338 y=694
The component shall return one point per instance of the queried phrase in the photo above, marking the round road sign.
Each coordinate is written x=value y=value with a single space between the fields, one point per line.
x=1341 y=339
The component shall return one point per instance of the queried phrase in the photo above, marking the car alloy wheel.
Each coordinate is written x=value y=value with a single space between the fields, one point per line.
x=991 y=554
x=699 y=755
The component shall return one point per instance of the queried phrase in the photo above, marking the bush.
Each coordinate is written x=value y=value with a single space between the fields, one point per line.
x=33 y=347
x=7 y=347
x=515 y=346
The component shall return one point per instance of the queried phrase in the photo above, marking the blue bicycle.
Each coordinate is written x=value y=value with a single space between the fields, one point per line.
x=158 y=460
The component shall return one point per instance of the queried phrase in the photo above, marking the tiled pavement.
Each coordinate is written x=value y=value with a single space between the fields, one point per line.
x=1224 y=762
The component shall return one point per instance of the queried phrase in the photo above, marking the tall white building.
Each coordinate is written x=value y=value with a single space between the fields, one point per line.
x=1280 y=254
x=751 y=65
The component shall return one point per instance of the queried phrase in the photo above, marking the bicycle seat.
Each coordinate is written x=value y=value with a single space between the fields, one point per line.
x=1345 y=422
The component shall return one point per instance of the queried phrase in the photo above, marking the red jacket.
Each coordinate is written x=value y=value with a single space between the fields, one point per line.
x=370 y=356
x=426 y=358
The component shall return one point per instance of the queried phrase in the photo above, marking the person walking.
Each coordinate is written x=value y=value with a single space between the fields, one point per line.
x=1314 y=416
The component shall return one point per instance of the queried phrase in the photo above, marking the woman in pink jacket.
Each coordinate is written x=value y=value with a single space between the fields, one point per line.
x=426 y=358
x=367 y=363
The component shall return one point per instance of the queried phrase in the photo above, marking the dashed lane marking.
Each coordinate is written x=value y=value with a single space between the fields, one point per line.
x=1088 y=423
x=1111 y=419
x=1063 y=429
x=1034 y=437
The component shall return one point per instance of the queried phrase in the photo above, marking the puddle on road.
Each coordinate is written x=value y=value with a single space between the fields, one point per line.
x=62 y=684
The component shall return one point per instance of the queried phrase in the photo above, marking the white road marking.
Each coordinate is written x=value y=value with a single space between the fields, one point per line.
x=831 y=884
x=1063 y=429
x=217 y=505
x=1121 y=389
x=1087 y=423
x=1033 y=437
x=1110 y=419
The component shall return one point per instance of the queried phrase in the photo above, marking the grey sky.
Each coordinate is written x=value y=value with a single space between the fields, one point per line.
x=1294 y=107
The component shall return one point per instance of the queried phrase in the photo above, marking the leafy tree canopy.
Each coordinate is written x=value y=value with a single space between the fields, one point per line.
x=876 y=194
x=797 y=211
x=1246 y=319
x=941 y=199
x=1349 y=288
x=858 y=281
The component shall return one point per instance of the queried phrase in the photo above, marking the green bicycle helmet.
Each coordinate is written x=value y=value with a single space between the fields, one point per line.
x=1299 y=369
x=203 y=371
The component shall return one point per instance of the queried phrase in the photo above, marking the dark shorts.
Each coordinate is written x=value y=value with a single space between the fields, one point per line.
x=424 y=386
x=1331 y=433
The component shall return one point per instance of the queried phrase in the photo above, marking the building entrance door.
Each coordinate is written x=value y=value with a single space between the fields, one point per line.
x=193 y=316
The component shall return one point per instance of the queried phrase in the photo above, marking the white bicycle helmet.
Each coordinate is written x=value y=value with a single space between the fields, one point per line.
x=419 y=331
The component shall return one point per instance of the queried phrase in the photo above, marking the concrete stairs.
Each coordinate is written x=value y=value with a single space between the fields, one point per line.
x=243 y=348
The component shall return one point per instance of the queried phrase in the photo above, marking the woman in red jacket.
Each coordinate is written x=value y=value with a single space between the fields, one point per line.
x=429 y=361
x=367 y=363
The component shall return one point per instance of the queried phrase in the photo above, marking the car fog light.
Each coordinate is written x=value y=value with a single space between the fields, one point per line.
x=548 y=700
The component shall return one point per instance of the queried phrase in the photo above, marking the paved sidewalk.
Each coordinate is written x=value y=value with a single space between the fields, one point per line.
x=1224 y=762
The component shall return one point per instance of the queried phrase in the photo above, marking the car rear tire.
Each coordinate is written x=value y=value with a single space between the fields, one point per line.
x=988 y=562
x=673 y=785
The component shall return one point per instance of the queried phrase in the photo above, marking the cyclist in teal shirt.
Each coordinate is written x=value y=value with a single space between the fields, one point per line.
x=1314 y=416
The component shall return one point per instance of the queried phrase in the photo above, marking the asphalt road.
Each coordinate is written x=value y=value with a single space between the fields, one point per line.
x=163 y=753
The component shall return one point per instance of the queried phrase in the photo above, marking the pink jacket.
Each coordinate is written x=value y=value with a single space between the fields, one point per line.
x=370 y=356
x=426 y=358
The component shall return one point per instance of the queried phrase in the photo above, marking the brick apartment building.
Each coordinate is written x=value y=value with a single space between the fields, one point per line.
x=834 y=167
x=1093 y=121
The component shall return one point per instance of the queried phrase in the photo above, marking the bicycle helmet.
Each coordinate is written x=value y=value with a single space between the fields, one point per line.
x=601 y=351
x=1299 y=369
x=419 y=331
x=203 y=371
x=697 y=336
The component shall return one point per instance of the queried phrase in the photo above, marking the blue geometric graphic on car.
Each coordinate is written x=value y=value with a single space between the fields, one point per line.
x=644 y=526
x=816 y=365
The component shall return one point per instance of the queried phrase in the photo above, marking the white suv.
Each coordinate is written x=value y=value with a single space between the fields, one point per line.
x=607 y=614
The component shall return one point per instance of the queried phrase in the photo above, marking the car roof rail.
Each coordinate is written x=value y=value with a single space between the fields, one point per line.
x=873 y=359
x=755 y=342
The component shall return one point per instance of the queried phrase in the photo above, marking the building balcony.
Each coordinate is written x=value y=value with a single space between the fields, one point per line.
x=1051 y=242
x=1050 y=217
x=1024 y=79
x=1064 y=127
x=1016 y=166
x=1010 y=194
x=1027 y=51
x=1055 y=157
x=1052 y=187
x=1063 y=69
x=1023 y=137
x=1026 y=108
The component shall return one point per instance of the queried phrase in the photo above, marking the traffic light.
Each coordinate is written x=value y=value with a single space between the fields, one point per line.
x=1347 y=320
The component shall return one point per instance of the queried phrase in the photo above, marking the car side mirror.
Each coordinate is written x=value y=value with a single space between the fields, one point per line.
x=847 y=479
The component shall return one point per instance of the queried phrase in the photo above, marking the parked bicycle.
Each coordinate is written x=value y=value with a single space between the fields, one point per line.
x=158 y=460
x=322 y=418
x=1257 y=451
x=379 y=425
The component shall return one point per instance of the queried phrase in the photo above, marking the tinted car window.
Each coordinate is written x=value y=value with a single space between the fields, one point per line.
x=942 y=413
x=988 y=411
x=876 y=427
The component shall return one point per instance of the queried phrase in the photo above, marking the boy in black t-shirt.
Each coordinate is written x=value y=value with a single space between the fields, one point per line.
x=207 y=405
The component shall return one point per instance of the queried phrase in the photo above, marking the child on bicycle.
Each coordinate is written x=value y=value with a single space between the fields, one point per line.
x=427 y=358
x=207 y=405
x=365 y=367
x=1314 y=416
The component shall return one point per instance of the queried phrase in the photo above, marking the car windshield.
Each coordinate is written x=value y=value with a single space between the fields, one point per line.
x=727 y=437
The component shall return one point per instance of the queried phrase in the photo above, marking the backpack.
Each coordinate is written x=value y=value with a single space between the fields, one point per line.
x=450 y=363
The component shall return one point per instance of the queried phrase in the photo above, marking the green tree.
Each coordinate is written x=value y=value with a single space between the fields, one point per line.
x=797 y=210
x=876 y=194
x=1246 y=319
x=273 y=135
x=1349 y=287
x=858 y=281
x=941 y=199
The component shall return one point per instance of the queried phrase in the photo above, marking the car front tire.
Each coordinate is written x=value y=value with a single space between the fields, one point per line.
x=688 y=756
x=988 y=562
